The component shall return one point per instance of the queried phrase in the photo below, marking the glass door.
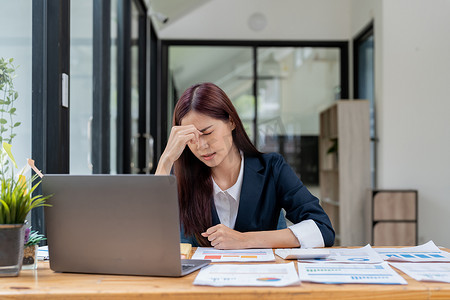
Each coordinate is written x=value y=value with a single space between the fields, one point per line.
x=294 y=85
x=365 y=84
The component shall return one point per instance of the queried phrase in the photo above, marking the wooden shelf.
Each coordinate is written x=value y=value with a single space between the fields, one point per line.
x=392 y=217
x=344 y=175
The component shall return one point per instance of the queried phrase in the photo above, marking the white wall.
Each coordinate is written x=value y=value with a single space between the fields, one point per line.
x=414 y=125
x=412 y=67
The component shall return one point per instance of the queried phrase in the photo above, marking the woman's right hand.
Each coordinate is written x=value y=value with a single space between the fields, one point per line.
x=179 y=137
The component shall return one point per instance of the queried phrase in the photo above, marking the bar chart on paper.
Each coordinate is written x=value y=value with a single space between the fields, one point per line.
x=428 y=252
x=246 y=255
x=349 y=273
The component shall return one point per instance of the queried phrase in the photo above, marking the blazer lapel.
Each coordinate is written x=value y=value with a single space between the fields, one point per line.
x=252 y=186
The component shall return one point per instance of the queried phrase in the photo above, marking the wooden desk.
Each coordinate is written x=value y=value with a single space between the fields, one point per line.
x=46 y=284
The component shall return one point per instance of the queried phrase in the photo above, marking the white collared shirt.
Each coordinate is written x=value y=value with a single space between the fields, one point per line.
x=227 y=204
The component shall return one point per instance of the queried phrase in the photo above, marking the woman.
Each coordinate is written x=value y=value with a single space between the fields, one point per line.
x=231 y=194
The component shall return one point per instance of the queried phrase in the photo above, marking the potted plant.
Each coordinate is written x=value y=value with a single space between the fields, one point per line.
x=31 y=245
x=16 y=199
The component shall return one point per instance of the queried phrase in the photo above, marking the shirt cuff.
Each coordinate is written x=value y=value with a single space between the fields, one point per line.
x=308 y=234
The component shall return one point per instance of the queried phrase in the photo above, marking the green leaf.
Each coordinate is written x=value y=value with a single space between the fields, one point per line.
x=11 y=60
x=7 y=212
x=16 y=95
x=7 y=148
x=3 y=121
x=17 y=124
x=12 y=135
x=12 y=110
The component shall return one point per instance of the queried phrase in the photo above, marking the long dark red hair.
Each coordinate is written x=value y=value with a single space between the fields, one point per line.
x=195 y=187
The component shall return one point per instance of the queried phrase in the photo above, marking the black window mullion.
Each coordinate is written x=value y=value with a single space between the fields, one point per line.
x=255 y=95
x=50 y=120
x=153 y=92
x=162 y=107
x=101 y=87
x=142 y=122
x=344 y=70
x=124 y=87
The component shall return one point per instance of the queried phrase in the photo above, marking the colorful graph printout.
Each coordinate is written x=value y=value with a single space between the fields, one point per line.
x=349 y=273
x=428 y=252
x=246 y=255
x=248 y=275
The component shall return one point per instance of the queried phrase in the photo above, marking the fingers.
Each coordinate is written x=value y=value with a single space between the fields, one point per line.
x=216 y=234
x=187 y=130
x=211 y=230
x=179 y=137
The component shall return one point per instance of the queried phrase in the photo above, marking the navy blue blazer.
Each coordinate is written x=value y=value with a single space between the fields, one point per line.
x=269 y=185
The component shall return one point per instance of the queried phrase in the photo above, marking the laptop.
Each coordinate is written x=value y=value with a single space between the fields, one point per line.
x=115 y=224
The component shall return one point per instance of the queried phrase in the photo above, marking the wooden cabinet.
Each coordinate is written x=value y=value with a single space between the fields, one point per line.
x=393 y=217
x=344 y=168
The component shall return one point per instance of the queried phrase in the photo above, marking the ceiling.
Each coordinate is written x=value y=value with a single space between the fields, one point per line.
x=173 y=9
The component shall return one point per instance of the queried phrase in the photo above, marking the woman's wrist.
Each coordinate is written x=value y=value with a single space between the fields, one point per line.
x=164 y=165
x=283 y=238
x=250 y=241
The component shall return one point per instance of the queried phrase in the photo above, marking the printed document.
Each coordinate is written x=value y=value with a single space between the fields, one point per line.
x=428 y=252
x=42 y=253
x=246 y=255
x=364 y=255
x=349 y=273
x=302 y=253
x=248 y=275
x=439 y=272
